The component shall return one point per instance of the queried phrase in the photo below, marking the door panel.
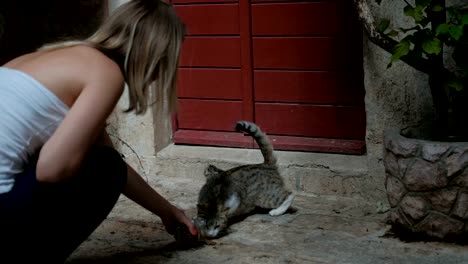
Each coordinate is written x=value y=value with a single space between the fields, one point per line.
x=210 y=19
x=293 y=67
x=215 y=115
x=209 y=83
x=295 y=53
x=286 y=1
x=181 y=2
x=319 y=87
x=211 y=52
x=305 y=18
x=311 y=120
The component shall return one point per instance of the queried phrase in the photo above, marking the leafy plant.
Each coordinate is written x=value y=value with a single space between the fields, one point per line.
x=437 y=44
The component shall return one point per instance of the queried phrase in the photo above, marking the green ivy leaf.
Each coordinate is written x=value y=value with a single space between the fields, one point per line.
x=393 y=33
x=455 y=84
x=456 y=31
x=408 y=11
x=453 y=13
x=442 y=29
x=432 y=46
x=383 y=25
x=437 y=8
x=417 y=12
x=400 y=50
x=465 y=19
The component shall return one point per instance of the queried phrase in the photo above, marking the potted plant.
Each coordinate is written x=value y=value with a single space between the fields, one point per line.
x=427 y=168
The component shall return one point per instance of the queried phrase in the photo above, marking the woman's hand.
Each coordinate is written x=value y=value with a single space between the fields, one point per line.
x=176 y=216
x=143 y=194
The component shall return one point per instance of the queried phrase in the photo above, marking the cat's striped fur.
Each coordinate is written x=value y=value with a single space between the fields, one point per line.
x=239 y=190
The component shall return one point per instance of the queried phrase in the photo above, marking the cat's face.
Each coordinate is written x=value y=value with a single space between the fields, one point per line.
x=210 y=222
x=211 y=218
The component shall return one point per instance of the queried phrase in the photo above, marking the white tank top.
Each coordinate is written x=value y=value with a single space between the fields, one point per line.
x=29 y=114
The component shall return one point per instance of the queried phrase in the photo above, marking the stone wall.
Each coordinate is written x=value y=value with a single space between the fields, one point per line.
x=427 y=185
x=396 y=97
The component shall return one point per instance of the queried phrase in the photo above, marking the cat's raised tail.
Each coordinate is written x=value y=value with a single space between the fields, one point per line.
x=261 y=138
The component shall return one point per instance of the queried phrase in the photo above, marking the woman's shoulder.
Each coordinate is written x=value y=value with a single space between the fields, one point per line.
x=92 y=60
x=86 y=65
x=67 y=71
x=89 y=67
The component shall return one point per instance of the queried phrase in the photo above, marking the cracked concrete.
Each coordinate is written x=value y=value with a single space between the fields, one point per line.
x=327 y=227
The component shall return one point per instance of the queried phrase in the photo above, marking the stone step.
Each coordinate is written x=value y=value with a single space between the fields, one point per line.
x=308 y=173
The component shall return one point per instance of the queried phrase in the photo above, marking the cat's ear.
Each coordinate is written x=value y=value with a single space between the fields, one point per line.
x=212 y=170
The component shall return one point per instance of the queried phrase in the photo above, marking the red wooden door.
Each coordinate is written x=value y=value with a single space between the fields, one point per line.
x=294 y=68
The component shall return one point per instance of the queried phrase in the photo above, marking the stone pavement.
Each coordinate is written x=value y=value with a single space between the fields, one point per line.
x=320 y=229
x=331 y=221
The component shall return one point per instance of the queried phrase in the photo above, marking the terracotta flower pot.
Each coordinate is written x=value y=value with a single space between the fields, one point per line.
x=427 y=185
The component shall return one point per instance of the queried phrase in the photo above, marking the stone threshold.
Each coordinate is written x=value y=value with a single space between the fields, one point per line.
x=305 y=172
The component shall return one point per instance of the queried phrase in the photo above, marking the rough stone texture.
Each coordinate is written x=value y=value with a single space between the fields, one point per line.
x=462 y=179
x=423 y=175
x=433 y=152
x=404 y=148
x=457 y=161
x=397 y=216
x=396 y=190
x=391 y=165
x=442 y=200
x=427 y=207
x=461 y=206
x=440 y=226
x=404 y=163
x=414 y=206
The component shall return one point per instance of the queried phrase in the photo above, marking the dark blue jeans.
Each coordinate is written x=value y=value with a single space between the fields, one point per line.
x=48 y=221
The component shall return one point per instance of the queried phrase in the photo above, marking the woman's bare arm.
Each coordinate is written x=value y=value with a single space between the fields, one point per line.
x=139 y=191
x=102 y=82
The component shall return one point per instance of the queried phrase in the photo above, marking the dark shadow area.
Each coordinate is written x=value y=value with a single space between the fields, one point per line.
x=164 y=252
x=26 y=25
x=168 y=251
x=404 y=234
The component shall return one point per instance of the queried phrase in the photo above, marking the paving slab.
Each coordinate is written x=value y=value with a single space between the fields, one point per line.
x=319 y=229
x=332 y=221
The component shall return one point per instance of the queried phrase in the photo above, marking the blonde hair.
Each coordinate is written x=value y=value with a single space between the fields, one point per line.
x=144 y=37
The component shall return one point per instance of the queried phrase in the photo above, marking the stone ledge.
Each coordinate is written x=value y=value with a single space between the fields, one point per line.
x=312 y=173
x=333 y=162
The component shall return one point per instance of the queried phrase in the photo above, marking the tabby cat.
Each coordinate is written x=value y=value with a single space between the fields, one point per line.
x=240 y=190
